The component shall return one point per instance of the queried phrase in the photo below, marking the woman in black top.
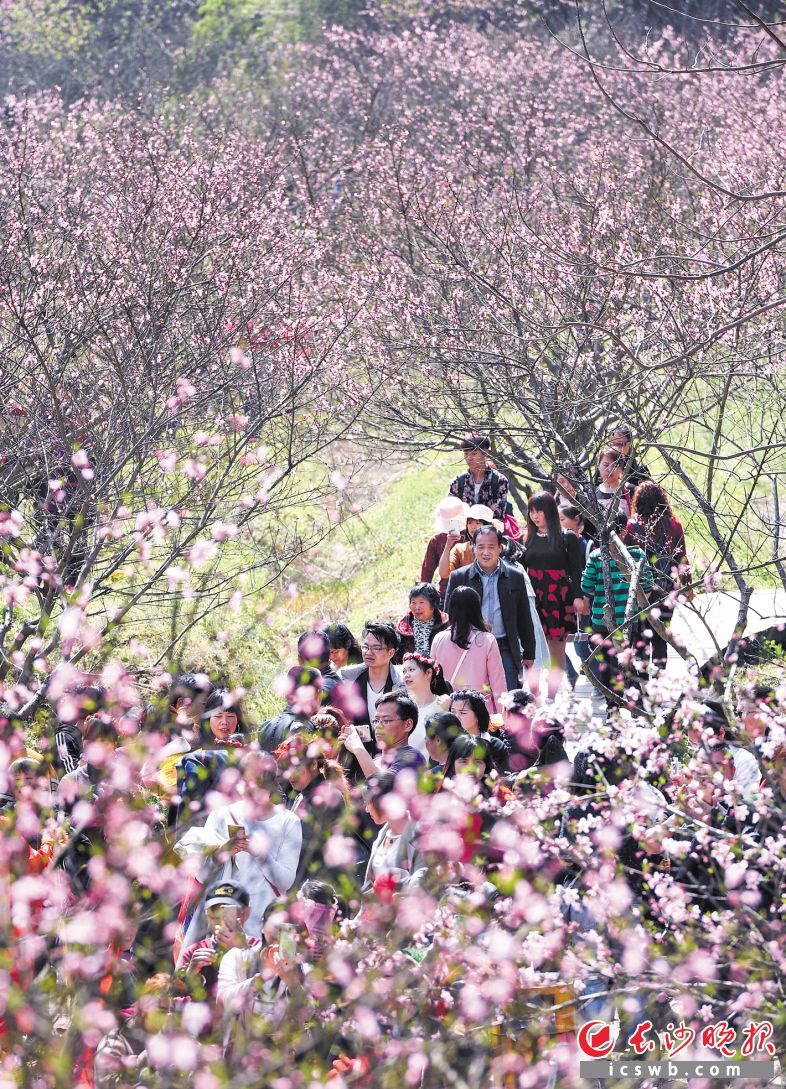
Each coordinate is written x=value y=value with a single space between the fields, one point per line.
x=554 y=560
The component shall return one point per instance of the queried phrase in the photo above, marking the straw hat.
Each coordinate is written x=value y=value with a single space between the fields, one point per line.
x=448 y=509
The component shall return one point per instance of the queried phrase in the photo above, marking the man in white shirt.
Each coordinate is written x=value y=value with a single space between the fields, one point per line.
x=369 y=681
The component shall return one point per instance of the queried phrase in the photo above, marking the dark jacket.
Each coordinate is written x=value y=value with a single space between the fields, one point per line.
x=329 y=681
x=198 y=774
x=360 y=716
x=514 y=602
x=700 y=872
x=664 y=546
x=276 y=730
x=68 y=747
x=359 y=676
x=406 y=643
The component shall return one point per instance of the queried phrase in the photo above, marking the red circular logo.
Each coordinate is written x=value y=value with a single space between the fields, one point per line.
x=596 y=1039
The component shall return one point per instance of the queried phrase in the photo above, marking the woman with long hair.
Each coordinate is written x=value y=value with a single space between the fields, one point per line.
x=554 y=560
x=654 y=529
x=224 y=722
x=424 y=680
x=192 y=773
x=469 y=756
x=470 y=709
x=344 y=649
x=468 y=652
x=474 y=758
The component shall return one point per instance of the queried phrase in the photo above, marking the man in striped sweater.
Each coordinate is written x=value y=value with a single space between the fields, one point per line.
x=594 y=587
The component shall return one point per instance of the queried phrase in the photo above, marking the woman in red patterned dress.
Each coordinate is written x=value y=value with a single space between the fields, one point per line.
x=554 y=560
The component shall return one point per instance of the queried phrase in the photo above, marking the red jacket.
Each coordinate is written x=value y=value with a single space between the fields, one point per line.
x=434 y=550
x=406 y=634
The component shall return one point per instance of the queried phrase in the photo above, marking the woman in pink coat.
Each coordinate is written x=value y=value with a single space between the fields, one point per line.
x=468 y=652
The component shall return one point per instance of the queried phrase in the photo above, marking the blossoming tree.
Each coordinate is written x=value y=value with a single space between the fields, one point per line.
x=171 y=348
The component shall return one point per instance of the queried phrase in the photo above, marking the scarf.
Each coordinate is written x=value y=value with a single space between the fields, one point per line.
x=422 y=633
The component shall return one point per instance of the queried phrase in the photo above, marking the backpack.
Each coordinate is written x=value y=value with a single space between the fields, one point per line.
x=662 y=563
x=275 y=730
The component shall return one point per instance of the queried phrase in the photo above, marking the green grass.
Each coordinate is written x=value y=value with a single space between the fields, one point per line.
x=363 y=571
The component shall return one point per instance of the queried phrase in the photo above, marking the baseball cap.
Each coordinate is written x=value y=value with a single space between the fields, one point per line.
x=227 y=892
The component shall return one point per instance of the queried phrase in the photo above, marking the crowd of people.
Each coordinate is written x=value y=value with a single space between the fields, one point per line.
x=258 y=871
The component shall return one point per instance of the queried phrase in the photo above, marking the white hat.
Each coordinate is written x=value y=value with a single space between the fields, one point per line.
x=481 y=513
x=447 y=510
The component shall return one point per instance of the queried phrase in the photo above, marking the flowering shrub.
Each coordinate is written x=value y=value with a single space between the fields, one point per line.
x=419 y=230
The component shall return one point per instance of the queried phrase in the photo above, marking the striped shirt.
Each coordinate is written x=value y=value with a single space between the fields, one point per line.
x=592 y=584
x=68 y=747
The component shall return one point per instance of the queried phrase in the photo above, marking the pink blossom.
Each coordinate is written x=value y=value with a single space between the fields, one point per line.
x=11 y=523
x=223 y=531
x=194 y=469
x=366 y=1023
x=339 y=851
x=202 y=553
x=81 y=462
x=167 y=459
x=240 y=359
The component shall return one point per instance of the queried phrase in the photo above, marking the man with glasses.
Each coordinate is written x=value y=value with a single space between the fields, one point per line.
x=395 y=717
x=376 y=676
